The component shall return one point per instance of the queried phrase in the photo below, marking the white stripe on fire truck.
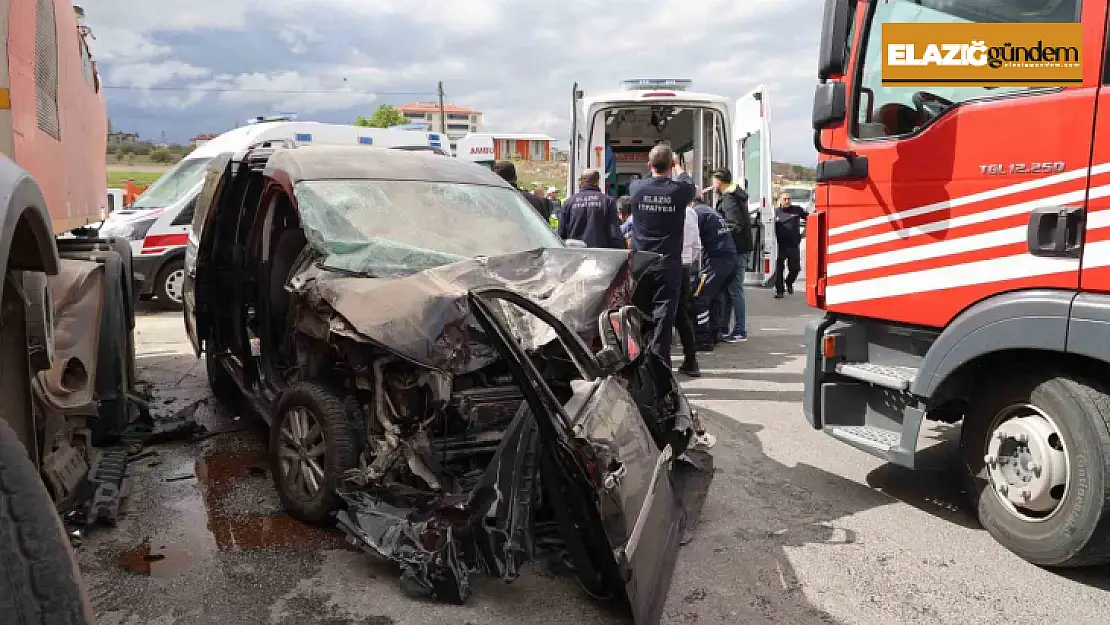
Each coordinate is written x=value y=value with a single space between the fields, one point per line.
x=966 y=220
x=990 y=194
x=951 y=247
x=951 y=276
x=966 y=274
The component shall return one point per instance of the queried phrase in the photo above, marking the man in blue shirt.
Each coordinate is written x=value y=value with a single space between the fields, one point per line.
x=658 y=216
x=718 y=270
x=591 y=216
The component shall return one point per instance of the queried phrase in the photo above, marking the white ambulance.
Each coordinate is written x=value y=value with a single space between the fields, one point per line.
x=613 y=132
x=159 y=220
x=476 y=148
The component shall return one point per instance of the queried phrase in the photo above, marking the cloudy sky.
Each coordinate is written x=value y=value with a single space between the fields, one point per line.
x=188 y=67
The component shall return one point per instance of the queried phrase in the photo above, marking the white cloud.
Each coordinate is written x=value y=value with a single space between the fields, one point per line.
x=145 y=75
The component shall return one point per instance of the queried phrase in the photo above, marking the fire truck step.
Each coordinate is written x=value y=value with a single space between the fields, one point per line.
x=892 y=377
x=866 y=437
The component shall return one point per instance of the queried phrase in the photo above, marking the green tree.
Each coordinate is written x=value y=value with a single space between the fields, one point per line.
x=160 y=155
x=384 y=117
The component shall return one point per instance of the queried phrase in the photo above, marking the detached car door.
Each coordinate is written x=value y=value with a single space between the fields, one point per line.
x=198 y=250
x=603 y=466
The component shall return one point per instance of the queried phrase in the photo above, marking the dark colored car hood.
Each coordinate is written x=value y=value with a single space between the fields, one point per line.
x=425 y=317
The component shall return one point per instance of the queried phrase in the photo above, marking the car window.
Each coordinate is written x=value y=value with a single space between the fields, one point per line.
x=176 y=184
x=390 y=228
x=885 y=111
x=799 y=195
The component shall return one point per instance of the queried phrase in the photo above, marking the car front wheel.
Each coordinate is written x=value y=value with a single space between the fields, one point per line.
x=169 y=286
x=312 y=444
x=1036 y=460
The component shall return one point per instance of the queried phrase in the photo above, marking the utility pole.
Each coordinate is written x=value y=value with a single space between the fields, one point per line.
x=442 y=113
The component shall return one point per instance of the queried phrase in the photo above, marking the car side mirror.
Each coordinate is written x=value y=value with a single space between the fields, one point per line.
x=575 y=243
x=830 y=105
x=621 y=338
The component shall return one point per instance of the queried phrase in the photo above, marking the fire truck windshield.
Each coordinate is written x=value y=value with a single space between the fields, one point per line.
x=884 y=111
x=174 y=185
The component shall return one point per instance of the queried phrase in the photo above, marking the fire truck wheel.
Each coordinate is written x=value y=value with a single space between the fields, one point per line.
x=40 y=581
x=1035 y=452
x=169 y=286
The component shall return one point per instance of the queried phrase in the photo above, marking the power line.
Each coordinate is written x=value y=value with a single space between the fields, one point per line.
x=273 y=91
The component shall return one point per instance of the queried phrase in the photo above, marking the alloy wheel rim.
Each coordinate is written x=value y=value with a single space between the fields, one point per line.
x=301 y=451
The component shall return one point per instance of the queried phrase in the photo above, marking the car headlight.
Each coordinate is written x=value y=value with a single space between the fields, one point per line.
x=131 y=230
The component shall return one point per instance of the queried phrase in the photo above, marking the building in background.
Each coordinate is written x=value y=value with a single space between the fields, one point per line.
x=121 y=139
x=524 y=147
x=460 y=121
x=200 y=140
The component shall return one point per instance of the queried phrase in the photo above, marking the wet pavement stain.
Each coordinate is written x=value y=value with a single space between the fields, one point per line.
x=161 y=561
x=230 y=506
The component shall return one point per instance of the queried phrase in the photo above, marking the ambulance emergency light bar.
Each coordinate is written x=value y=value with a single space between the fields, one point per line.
x=647 y=84
x=277 y=117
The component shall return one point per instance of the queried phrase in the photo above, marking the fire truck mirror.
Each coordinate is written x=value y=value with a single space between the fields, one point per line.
x=830 y=105
x=832 y=60
x=853 y=167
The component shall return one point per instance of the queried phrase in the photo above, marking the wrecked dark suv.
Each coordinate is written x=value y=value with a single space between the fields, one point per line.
x=460 y=391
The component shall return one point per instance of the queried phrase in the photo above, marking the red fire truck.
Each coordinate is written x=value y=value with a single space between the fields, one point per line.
x=961 y=252
x=66 y=312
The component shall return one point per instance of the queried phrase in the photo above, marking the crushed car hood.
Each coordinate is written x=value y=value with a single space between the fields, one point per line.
x=425 y=317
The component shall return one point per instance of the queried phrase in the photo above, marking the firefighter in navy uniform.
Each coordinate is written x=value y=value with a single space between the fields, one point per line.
x=658 y=216
x=590 y=215
x=718 y=270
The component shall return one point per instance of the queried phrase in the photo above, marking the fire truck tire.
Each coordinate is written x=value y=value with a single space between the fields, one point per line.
x=39 y=578
x=168 y=286
x=1042 y=440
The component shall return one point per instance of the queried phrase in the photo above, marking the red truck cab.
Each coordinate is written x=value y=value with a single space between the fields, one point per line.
x=960 y=249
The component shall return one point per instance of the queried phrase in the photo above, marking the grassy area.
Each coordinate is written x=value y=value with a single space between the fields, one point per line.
x=116 y=178
x=529 y=175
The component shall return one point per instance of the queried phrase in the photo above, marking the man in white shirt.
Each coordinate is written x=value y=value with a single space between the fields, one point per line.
x=684 y=319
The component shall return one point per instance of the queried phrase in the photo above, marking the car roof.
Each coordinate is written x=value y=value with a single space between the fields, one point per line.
x=320 y=162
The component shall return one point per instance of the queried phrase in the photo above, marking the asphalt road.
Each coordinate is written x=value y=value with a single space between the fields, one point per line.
x=797 y=528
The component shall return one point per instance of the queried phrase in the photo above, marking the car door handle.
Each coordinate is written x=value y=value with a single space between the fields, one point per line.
x=1056 y=231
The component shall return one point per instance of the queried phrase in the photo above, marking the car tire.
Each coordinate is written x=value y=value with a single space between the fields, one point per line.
x=40 y=581
x=220 y=381
x=1072 y=417
x=168 y=285
x=327 y=412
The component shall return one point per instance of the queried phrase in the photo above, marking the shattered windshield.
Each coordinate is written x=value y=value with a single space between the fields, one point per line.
x=174 y=185
x=391 y=228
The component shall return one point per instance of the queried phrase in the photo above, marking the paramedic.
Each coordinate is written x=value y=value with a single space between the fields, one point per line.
x=590 y=215
x=658 y=216
x=684 y=319
x=507 y=171
x=718 y=270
